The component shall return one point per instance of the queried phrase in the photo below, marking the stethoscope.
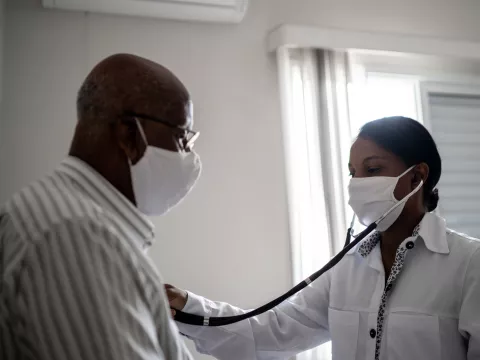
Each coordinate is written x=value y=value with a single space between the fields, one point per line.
x=350 y=232
x=198 y=320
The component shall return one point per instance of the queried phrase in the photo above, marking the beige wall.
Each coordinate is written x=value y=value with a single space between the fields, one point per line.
x=229 y=239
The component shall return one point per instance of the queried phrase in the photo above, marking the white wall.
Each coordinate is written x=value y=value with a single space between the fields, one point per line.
x=229 y=240
x=454 y=19
x=2 y=30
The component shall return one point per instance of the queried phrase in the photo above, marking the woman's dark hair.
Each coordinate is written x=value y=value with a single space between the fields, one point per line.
x=411 y=142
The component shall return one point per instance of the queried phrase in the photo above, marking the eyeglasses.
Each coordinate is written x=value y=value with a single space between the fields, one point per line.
x=186 y=137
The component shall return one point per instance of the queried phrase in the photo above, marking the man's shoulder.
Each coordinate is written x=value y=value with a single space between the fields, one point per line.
x=51 y=214
x=47 y=204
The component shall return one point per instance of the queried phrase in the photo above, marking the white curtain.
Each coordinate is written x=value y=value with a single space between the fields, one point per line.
x=335 y=140
x=313 y=89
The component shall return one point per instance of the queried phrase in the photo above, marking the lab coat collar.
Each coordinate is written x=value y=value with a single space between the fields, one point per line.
x=107 y=196
x=432 y=230
x=366 y=246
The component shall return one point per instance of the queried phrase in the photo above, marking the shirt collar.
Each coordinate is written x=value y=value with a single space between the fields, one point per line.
x=102 y=192
x=432 y=230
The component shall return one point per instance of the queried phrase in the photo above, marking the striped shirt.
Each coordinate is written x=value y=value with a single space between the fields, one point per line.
x=74 y=279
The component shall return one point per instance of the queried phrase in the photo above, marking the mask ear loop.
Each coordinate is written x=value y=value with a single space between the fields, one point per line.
x=403 y=201
x=142 y=134
x=406 y=171
x=402 y=175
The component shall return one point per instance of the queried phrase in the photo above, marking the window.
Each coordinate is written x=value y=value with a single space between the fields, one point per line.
x=326 y=99
x=380 y=95
x=454 y=117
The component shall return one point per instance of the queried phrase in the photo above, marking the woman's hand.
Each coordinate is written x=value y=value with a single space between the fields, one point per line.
x=177 y=298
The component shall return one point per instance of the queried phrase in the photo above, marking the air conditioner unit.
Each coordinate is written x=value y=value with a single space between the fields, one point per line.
x=224 y=11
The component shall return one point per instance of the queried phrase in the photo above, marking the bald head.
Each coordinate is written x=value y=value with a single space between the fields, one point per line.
x=125 y=103
x=128 y=83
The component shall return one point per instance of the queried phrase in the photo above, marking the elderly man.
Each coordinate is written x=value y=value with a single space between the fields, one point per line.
x=74 y=280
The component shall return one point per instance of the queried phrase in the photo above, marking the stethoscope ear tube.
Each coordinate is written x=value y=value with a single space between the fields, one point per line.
x=191 y=319
x=350 y=232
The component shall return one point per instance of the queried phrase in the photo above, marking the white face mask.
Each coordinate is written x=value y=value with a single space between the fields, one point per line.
x=372 y=197
x=162 y=178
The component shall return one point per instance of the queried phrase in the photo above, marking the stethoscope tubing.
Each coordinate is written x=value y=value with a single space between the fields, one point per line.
x=192 y=319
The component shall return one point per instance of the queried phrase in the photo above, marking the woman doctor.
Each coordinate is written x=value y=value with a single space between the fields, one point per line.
x=411 y=290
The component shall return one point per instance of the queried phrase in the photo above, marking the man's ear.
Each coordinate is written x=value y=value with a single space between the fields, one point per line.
x=420 y=173
x=128 y=139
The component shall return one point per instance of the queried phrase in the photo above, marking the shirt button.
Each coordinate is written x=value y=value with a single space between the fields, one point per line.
x=373 y=333
x=410 y=245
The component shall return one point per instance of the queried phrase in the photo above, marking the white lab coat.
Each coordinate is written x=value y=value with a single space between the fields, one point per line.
x=431 y=313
